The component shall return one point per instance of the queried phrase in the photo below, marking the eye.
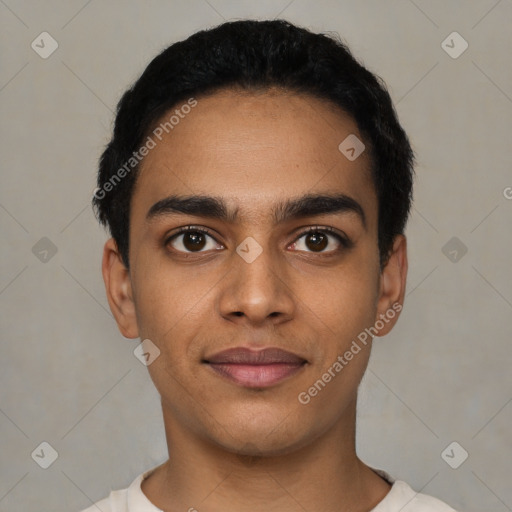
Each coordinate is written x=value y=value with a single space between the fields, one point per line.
x=192 y=239
x=316 y=239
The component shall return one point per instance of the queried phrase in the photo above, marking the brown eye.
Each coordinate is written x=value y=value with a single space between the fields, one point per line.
x=194 y=241
x=316 y=241
x=190 y=240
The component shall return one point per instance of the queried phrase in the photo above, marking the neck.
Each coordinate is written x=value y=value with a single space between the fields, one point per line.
x=325 y=474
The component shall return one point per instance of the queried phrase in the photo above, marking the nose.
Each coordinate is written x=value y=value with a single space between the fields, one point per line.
x=257 y=292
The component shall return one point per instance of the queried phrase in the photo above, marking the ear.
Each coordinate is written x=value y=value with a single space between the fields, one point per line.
x=119 y=290
x=392 y=287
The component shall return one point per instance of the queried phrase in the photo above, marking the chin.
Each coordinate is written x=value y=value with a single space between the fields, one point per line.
x=261 y=447
x=261 y=435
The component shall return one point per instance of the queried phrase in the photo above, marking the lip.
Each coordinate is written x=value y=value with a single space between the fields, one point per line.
x=255 y=369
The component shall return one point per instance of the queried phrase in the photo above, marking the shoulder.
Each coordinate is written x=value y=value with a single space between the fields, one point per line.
x=130 y=499
x=120 y=500
x=103 y=505
x=116 y=502
x=402 y=497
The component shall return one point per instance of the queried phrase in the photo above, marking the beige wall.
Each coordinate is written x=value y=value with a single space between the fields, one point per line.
x=70 y=379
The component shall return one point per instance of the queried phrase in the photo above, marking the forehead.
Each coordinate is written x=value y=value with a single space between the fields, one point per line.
x=254 y=149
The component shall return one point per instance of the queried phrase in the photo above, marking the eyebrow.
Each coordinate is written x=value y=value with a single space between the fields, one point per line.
x=216 y=208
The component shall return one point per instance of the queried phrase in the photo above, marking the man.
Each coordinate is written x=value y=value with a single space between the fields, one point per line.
x=257 y=187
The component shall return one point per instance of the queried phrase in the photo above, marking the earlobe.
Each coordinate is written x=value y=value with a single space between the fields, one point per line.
x=119 y=290
x=392 y=287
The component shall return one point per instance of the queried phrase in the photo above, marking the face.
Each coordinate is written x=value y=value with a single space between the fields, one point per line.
x=268 y=265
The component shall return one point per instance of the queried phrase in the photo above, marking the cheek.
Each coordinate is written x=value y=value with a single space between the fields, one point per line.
x=171 y=308
x=342 y=302
x=174 y=304
x=165 y=297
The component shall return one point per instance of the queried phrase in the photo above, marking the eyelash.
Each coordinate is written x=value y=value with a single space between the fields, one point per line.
x=344 y=241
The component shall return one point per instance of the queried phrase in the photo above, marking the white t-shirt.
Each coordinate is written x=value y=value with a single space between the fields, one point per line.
x=401 y=498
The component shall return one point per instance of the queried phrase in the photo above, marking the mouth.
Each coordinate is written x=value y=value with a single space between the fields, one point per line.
x=255 y=369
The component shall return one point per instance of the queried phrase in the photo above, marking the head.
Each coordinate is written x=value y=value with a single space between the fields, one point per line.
x=244 y=132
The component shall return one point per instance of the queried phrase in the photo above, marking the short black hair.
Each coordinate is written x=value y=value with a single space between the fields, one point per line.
x=256 y=55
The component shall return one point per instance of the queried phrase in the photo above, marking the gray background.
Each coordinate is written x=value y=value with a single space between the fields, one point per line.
x=69 y=378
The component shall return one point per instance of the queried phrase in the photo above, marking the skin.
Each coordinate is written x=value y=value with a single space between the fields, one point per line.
x=231 y=447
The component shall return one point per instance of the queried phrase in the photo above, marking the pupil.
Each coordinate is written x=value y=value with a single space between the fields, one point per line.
x=193 y=241
x=319 y=241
